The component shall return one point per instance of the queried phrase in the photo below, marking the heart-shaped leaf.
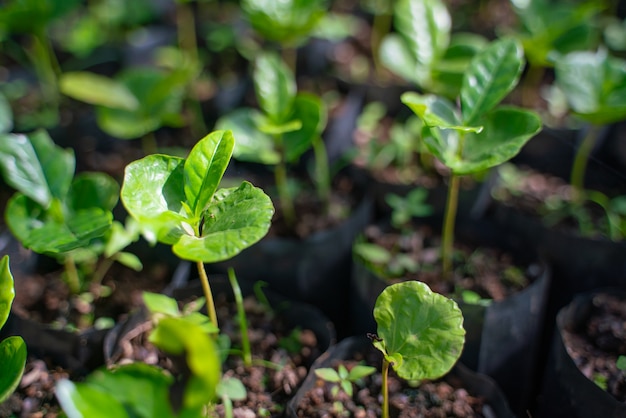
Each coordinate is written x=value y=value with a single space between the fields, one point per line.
x=491 y=75
x=275 y=87
x=238 y=218
x=506 y=131
x=204 y=168
x=252 y=145
x=98 y=90
x=13 y=359
x=7 y=290
x=420 y=331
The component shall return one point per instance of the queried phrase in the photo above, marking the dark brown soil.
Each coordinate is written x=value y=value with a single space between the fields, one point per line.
x=601 y=339
x=441 y=398
x=489 y=272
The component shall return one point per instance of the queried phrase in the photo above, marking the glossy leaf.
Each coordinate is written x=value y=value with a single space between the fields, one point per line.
x=153 y=192
x=134 y=390
x=275 y=87
x=421 y=331
x=204 y=168
x=159 y=303
x=436 y=111
x=35 y=166
x=12 y=361
x=91 y=190
x=491 y=75
x=252 y=145
x=178 y=336
x=7 y=290
x=594 y=85
x=506 y=131
x=425 y=26
x=397 y=57
x=238 y=218
x=98 y=90
x=6 y=115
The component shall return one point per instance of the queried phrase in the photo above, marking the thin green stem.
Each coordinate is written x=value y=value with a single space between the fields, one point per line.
x=581 y=159
x=241 y=318
x=149 y=143
x=531 y=84
x=322 y=172
x=290 y=57
x=447 y=241
x=286 y=203
x=380 y=27
x=102 y=269
x=206 y=287
x=71 y=275
x=385 y=389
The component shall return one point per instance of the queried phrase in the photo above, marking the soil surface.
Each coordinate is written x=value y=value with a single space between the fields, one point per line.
x=441 y=398
x=596 y=345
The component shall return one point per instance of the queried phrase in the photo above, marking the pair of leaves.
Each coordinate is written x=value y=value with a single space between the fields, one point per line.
x=594 y=84
x=12 y=349
x=177 y=202
x=135 y=103
x=53 y=211
x=480 y=135
x=287 y=123
x=420 y=332
x=289 y=22
x=423 y=49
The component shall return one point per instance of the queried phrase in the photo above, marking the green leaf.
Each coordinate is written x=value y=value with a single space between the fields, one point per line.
x=251 y=145
x=327 y=374
x=153 y=192
x=594 y=85
x=97 y=90
x=436 y=111
x=425 y=26
x=275 y=87
x=129 y=260
x=159 y=303
x=6 y=115
x=93 y=190
x=310 y=111
x=205 y=167
x=372 y=252
x=35 y=166
x=397 y=57
x=231 y=388
x=507 y=130
x=177 y=336
x=7 y=290
x=238 y=218
x=491 y=75
x=421 y=331
x=81 y=400
x=13 y=359
x=360 y=371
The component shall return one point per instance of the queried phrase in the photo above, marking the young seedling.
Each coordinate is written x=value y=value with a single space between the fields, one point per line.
x=177 y=202
x=12 y=349
x=423 y=49
x=343 y=378
x=593 y=84
x=420 y=333
x=287 y=125
x=135 y=103
x=480 y=134
x=57 y=213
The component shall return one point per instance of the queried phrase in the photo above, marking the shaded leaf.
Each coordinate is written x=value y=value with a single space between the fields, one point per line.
x=275 y=86
x=98 y=90
x=13 y=359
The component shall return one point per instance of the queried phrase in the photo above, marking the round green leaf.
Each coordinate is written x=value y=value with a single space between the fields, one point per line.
x=236 y=219
x=275 y=87
x=7 y=290
x=491 y=75
x=13 y=360
x=204 y=168
x=98 y=90
x=421 y=331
